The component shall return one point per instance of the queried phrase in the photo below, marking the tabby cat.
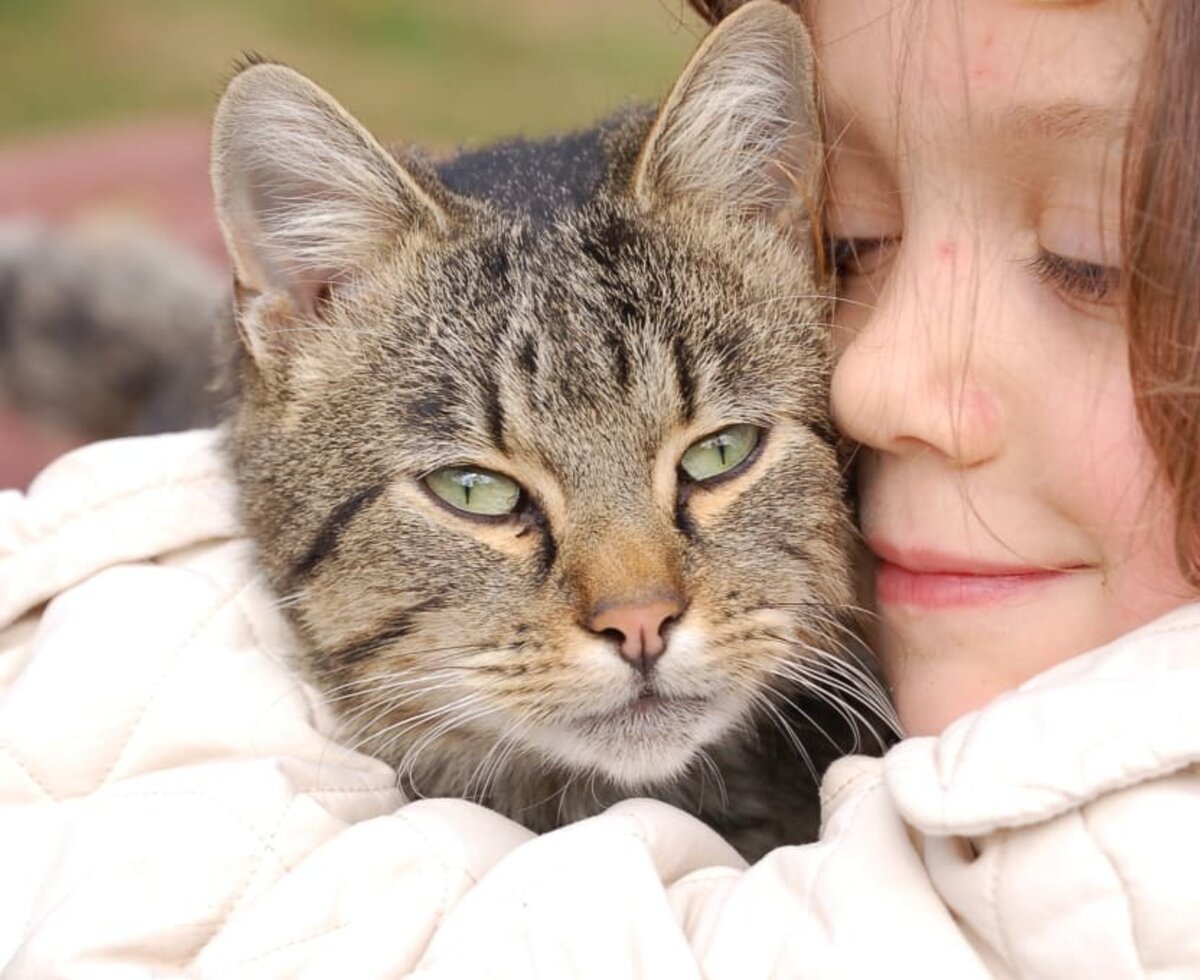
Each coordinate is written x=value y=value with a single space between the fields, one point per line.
x=534 y=443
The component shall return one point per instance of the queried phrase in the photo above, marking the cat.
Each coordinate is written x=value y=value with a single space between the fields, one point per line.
x=106 y=330
x=534 y=444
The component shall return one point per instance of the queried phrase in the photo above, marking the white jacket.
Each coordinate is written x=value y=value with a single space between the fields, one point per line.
x=170 y=806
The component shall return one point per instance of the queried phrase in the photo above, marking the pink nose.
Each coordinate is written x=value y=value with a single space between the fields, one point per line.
x=640 y=627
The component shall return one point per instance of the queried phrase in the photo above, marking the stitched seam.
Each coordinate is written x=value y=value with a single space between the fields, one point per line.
x=199 y=627
x=280 y=947
x=202 y=624
x=443 y=905
x=1121 y=880
x=945 y=777
x=447 y=868
x=46 y=532
x=704 y=876
x=848 y=787
x=236 y=818
x=854 y=808
x=521 y=888
x=993 y=897
x=22 y=765
x=231 y=905
x=49 y=537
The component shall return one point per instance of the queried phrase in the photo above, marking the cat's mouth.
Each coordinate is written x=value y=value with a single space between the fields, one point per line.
x=651 y=702
x=648 y=736
x=653 y=707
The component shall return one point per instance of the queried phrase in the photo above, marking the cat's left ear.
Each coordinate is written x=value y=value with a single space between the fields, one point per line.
x=739 y=135
x=306 y=198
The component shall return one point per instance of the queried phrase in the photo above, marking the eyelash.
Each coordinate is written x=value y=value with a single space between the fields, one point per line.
x=851 y=256
x=1087 y=281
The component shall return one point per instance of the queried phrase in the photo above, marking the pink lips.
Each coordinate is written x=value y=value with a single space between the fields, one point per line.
x=937 y=581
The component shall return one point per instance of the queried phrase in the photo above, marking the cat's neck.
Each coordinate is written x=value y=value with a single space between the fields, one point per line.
x=764 y=792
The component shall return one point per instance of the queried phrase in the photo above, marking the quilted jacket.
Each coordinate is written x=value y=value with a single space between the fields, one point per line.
x=171 y=805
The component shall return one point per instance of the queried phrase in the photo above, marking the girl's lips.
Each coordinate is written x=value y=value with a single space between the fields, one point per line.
x=934 y=581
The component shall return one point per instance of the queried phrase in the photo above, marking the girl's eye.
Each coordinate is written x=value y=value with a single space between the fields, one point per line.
x=479 y=492
x=860 y=256
x=720 y=453
x=1077 y=279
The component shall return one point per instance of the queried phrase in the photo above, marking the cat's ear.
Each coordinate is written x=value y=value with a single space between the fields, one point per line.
x=740 y=132
x=304 y=194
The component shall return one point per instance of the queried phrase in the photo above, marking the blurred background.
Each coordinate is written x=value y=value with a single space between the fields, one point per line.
x=103 y=124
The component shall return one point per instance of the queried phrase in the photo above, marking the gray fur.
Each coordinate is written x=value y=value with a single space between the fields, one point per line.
x=108 y=332
x=533 y=179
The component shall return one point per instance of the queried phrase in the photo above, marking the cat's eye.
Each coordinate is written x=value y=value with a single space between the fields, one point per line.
x=475 y=491
x=720 y=453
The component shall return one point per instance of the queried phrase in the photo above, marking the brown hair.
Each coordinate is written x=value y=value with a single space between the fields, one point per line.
x=1162 y=250
x=714 y=10
x=1161 y=230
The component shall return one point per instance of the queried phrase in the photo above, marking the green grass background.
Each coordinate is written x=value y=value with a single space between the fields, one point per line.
x=442 y=72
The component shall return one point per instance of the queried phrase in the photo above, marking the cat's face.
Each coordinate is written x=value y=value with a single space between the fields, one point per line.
x=565 y=490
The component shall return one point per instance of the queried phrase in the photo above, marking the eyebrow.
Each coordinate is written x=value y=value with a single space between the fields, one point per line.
x=1066 y=120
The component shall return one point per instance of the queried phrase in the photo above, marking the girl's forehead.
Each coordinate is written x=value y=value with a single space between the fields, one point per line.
x=1020 y=68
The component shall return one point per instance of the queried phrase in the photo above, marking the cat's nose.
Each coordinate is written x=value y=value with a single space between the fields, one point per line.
x=639 y=627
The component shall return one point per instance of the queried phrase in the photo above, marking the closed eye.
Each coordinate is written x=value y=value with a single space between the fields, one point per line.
x=1090 y=282
x=852 y=257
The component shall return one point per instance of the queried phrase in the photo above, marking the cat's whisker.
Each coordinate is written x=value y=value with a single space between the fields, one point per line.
x=707 y=765
x=398 y=729
x=489 y=767
x=852 y=720
x=853 y=687
x=824 y=672
x=789 y=732
x=372 y=684
x=859 y=678
x=451 y=717
x=471 y=713
x=290 y=601
x=384 y=704
x=509 y=744
x=841 y=678
x=571 y=779
x=384 y=683
x=826 y=608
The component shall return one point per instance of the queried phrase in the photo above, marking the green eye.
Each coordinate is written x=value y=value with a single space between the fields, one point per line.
x=721 y=452
x=479 y=492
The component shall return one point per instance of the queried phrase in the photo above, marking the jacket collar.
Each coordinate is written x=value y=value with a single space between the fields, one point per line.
x=1120 y=715
x=109 y=503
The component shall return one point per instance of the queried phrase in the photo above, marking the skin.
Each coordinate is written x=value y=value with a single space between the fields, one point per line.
x=1007 y=490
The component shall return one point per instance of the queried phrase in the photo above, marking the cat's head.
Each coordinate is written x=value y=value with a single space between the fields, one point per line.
x=559 y=488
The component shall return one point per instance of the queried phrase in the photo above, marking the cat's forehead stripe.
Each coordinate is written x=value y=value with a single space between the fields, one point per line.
x=685 y=378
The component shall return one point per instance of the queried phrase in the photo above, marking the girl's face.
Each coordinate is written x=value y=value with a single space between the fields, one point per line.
x=1007 y=491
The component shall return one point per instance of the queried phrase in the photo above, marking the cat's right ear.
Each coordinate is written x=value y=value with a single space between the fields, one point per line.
x=305 y=197
x=739 y=135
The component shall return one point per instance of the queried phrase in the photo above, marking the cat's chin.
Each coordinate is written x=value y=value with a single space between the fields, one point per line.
x=647 y=742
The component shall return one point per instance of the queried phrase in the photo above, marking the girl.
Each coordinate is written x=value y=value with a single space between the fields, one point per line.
x=1019 y=365
x=1015 y=210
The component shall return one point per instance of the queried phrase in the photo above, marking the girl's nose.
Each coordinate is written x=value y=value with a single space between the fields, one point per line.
x=916 y=371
